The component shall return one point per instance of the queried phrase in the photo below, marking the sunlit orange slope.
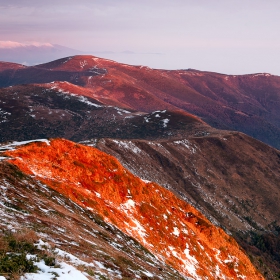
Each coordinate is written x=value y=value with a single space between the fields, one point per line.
x=169 y=227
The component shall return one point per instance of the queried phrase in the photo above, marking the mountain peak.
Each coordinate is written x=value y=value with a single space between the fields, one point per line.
x=77 y=63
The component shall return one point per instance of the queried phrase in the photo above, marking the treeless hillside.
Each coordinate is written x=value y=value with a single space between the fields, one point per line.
x=230 y=177
x=247 y=103
x=36 y=219
x=167 y=226
x=59 y=110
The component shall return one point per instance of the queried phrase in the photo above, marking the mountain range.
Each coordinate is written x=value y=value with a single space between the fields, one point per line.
x=166 y=174
x=247 y=103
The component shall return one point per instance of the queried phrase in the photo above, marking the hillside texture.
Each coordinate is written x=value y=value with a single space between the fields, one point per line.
x=247 y=103
x=231 y=178
x=34 y=216
x=166 y=225
x=59 y=110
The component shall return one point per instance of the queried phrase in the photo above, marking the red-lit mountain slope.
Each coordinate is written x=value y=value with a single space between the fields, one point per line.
x=34 y=215
x=248 y=103
x=10 y=66
x=169 y=227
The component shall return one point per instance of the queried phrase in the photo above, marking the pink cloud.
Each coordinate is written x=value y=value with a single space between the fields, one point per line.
x=11 y=44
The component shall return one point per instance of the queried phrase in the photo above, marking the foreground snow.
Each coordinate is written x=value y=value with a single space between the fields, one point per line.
x=63 y=271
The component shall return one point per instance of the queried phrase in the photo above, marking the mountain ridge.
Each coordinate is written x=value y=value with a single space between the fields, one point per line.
x=231 y=178
x=156 y=123
x=247 y=103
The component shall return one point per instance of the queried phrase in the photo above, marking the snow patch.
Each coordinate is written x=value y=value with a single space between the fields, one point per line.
x=133 y=227
x=128 y=145
x=121 y=110
x=86 y=101
x=145 y=181
x=262 y=74
x=65 y=272
x=165 y=122
x=176 y=231
x=129 y=204
x=149 y=274
x=15 y=144
x=190 y=262
x=4 y=115
x=98 y=194
x=81 y=98
x=83 y=63
x=138 y=229
x=173 y=252
x=3 y=158
x=186 y=144
x=67 y=59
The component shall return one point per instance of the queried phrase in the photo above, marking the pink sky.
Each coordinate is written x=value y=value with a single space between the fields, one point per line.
x=228 y=36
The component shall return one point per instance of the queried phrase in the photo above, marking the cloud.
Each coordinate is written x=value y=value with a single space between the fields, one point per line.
x=12 y=44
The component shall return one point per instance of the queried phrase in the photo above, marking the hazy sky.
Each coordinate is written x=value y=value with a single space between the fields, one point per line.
x=228 y=36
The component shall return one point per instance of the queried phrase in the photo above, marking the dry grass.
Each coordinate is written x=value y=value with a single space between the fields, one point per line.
x=4 y=246
x=26 y=235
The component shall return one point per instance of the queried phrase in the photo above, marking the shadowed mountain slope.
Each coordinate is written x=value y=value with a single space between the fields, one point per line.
x=58 y=110
x=231 y=178
x=247 y=103
x=167 y=226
